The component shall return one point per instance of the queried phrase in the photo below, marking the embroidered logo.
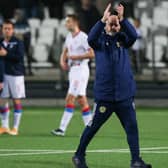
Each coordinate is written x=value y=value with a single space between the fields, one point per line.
x=11 y=44
x=102 y=109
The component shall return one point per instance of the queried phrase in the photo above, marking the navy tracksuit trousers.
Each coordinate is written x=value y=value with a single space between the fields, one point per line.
x=125 y=111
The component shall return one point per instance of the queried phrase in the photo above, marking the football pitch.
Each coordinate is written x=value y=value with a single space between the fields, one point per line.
x=35 y=147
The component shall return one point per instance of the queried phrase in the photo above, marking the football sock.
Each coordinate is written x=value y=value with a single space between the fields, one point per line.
x=66 y=118
x=17 y=115
x=4 y=113
x=86 y=115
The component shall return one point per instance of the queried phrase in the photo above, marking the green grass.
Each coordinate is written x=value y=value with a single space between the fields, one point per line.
x=35 y=135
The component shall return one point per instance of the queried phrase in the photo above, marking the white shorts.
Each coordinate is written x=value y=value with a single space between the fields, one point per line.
x=78 y=80
x=14 y=87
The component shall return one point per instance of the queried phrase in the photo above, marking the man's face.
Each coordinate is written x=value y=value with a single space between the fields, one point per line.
x=8 y=30
x=70 y=24
x=136 y=23
x=112 y=24
x=86 y=2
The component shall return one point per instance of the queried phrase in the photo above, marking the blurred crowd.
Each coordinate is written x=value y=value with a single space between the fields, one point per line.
x=20 y=11
x=35 y=8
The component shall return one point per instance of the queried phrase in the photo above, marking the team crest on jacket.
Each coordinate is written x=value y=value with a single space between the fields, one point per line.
x=102 y=109
x=11 y=44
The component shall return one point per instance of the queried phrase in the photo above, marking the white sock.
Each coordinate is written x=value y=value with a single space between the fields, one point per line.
x=66 y=118
x=5 y=116
x=86 y=115
x=17 y=118
x=5 y=119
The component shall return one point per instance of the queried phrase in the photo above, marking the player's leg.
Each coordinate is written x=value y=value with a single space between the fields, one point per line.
x=17 y=91
x=70 y=101
x=67 y=116
x=4 y=107
x=86 y=112
x=4 y=116
x=102 y=111
x=125 y=111
x=17 y=116
x=68 y=112
x=82 y=99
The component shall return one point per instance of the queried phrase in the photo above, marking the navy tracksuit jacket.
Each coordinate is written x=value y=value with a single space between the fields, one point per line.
x=114 y=78
x=13 y=62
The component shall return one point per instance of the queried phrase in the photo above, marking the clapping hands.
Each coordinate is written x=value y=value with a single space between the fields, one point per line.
x=119 y=9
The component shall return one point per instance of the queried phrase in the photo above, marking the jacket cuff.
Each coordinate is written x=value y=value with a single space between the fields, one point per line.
x=101 y=23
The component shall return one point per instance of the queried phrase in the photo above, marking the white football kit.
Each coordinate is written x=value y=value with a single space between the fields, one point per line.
x=14 y=87
x=79 y=70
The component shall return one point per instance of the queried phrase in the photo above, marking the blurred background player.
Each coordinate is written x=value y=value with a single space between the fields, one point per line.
x=75 y=57
x=22 y=32
x=12 y=50
x=114 y=87
x=88 y=15
x=137 y=48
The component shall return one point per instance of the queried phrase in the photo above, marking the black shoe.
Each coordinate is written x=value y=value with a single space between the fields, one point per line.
x=140 y=164
x=58 y=132
x=79 y=162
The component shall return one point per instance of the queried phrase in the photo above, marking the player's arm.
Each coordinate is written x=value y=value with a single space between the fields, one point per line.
x=16 y=55
x=1 y=73
x=94 y=34
x=129 y=30
x=88 y=55
x=3 y=52
x=63 y=59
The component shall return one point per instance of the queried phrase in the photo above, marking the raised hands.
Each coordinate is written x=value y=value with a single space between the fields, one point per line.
x=106 y=14
x=120 y=11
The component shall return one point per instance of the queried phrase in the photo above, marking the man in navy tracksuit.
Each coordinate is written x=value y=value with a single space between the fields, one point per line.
x=114 y=88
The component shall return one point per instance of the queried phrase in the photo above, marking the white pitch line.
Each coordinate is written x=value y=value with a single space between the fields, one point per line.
x=71 y=151
x=36 y=153
x=67 y=152
x=53 y=150
x=155 y=148
x=28 y=150
x=157 y=152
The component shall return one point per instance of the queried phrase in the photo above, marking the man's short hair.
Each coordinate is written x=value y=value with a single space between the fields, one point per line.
x=74 y=17
x=8 y=22
x=114 y=12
